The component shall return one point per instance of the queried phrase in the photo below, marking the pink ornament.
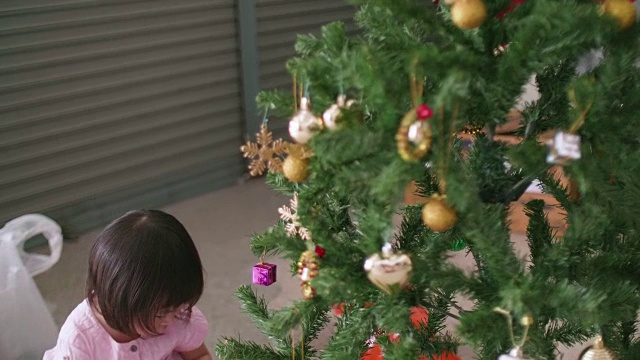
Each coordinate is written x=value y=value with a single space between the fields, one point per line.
x=264 y=274
x=424 y=112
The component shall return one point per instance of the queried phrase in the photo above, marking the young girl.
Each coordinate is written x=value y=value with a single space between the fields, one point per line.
x=145 y=277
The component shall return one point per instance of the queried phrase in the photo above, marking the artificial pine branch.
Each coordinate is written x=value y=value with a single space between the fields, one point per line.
x=539 y=237
x=280 y=184
x=256 y=308
x=233 y=349
x=276 y=241
x=354 y=326
x=313 y=322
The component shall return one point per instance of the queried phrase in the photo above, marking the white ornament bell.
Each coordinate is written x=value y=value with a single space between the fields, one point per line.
x=304 y=124
x=514 y=354
x=331 y=116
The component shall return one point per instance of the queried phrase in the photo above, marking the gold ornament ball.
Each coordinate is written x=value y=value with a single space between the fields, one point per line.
x=468 y=14
x=295 y=169
x=622 y=10
x=597 y=352
x=438 y=215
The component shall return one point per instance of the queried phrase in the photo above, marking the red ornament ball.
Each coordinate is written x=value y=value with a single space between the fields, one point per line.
x=445 y=355
x=338 y=309
x=419 y=317
x=394 y=338
x=373 y=353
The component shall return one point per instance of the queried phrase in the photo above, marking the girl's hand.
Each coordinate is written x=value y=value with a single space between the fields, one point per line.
x=201 y=353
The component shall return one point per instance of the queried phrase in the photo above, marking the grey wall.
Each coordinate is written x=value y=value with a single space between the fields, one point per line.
x=111 y=105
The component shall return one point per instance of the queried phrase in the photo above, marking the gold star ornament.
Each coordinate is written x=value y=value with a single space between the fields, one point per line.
x=264 y=153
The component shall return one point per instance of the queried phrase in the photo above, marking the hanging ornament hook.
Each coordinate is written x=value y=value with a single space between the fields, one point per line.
x=417 y=87
x=526 y=322
x=265 y=117
x=295 y=92
x=264 y=254
x=583 y=114
x=414 y=134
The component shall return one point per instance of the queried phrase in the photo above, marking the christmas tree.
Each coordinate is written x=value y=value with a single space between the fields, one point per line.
x=420 y=95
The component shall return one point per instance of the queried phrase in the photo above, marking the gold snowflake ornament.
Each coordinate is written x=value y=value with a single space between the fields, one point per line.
x=264 y=153
x=290 y=216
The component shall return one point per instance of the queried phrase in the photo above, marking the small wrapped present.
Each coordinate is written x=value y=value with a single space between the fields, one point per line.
x=264 y=274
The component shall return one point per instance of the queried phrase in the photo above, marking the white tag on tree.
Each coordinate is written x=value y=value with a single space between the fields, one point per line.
x=563 y=147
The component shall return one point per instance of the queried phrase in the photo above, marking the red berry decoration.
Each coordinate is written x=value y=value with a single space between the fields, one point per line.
x=514 y=4
x=320 y=251
x=424 y=112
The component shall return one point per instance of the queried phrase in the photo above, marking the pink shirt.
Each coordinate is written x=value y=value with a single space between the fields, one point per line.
x=83 y=338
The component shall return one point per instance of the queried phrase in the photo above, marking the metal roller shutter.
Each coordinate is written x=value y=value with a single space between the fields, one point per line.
x=278 y=24
x=111 y=105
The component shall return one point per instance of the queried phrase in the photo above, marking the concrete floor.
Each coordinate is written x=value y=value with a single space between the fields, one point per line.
x=221 y=224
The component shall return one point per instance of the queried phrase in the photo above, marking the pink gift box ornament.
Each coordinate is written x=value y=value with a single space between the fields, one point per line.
x=264 y=274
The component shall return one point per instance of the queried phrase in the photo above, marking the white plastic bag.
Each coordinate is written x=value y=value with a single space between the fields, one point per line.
x=27 y=328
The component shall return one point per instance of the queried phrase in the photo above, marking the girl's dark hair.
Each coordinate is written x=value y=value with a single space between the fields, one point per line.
x=140 y=264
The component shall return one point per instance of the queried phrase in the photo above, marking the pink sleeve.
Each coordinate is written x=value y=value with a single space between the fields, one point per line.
x=194 y=333
x=69 y=348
